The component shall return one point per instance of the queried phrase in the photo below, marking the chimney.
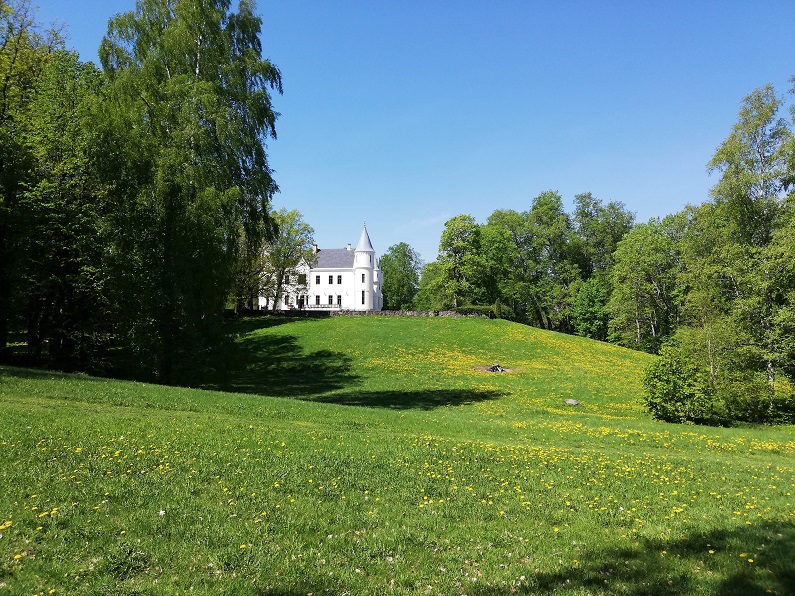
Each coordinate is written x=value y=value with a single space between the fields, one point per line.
x=349 y=246
x=314 y=249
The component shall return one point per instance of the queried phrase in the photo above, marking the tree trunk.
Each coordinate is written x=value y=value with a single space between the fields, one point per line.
x=5 y=308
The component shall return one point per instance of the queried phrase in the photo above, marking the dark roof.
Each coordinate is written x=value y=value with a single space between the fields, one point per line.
x=334 y=258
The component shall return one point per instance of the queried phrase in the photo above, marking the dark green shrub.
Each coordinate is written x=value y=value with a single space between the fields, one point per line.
x=784 y=409
x=677 y=391
x=746 y=397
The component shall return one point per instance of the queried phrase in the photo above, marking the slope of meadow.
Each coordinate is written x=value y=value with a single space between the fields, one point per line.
x=369 y=456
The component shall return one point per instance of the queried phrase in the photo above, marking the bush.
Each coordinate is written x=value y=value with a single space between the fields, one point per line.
x=746 y=396
x=784 y=409
x=677 y=391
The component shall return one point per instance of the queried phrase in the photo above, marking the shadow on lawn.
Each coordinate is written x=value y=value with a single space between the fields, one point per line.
x=423 y=399
x=25 y=373
x=686 y=566
x=276 y=365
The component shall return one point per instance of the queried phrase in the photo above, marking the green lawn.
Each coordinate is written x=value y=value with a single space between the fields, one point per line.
x=367 y=455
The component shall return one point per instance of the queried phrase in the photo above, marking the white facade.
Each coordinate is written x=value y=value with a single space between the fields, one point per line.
x=341 y=279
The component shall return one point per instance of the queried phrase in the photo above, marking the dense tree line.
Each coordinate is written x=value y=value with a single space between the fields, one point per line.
x=129 y=195
x=543 y=267
x=711 y=289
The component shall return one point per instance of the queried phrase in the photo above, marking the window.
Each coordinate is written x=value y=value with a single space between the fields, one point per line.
x=331 y=300
x=362 y=296
x=339 y=279
x=339 y=300
x=317 y=279
x=330 y=279
x=362 y=280
x=317 y=300
x=287 y=299
x=302 y=279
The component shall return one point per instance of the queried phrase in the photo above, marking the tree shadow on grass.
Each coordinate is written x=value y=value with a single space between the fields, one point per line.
x=421 y=399
x=275 y=365
x=25 y=373
x=660 y=567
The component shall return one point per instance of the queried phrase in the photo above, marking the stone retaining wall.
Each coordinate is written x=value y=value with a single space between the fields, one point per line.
x=319 y=313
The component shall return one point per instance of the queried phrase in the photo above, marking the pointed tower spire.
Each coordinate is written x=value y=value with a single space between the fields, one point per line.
x=364 y=242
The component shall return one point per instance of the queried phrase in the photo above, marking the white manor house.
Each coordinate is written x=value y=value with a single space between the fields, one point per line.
x=341 y=278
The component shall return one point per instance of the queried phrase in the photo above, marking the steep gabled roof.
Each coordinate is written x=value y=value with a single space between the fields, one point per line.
x=334 y=258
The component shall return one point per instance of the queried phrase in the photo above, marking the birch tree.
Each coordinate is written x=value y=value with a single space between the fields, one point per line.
x=189 y=112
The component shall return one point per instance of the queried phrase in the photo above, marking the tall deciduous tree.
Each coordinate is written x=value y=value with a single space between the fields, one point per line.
x=749 y=196
x=512 y=260
x=432 y=291
x=644 y=305
x=599 y=228
x=737 y=293
x=736 y=268
x=188 y=116
x=400 y=266
x=25 y=49
x=557 y=273
x=460 y=260
x=62 y=250
x=290 y=246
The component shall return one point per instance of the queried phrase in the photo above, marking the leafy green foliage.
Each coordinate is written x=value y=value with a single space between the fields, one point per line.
x=599 y=229
x=61 y=253
x=644 y=304
x=460 y=260
x=677 y=390
x=589 y=309
x=189 y=110
x=400 y=267
x=25 y=49
x=734 y=280
x=431 y=293
x=290 y=246
x=532 y=262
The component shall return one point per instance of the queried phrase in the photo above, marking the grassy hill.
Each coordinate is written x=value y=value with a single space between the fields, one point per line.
x=369 y=456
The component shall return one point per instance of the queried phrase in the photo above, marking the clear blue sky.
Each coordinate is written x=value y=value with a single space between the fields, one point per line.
x=407 y=113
